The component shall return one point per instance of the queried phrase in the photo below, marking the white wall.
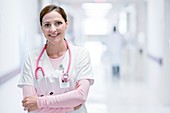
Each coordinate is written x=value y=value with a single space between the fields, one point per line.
x=78 y=20
x=158 y=75
x=18 y=22
x=166 y=69
x=141 y=40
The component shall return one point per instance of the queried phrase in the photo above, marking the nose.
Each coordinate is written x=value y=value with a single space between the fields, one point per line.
x=53 y=28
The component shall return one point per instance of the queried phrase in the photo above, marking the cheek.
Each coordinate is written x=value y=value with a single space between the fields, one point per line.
x=63 y=28
x=45 y=33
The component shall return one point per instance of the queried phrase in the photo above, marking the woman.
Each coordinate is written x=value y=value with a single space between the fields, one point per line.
x=66 y=68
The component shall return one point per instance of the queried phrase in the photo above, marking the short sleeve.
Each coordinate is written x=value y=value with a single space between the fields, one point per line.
x=84 y=67
x=26 y=77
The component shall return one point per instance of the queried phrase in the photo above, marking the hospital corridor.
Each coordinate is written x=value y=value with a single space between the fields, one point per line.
x=128 y=43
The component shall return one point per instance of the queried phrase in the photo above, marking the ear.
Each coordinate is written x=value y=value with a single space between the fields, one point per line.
x=41 y=28
x=66 y=24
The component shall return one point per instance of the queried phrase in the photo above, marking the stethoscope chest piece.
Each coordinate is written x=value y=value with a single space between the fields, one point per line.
x=65 y=77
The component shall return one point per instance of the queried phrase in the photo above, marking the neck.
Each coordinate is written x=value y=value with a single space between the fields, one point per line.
x=56 y=50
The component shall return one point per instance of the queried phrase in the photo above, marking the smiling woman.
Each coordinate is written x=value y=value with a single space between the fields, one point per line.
x=56 y=78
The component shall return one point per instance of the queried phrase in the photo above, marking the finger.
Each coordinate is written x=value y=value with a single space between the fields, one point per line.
x=77 y=107
x=77 y=85
x=30 y=109
x=25 y=109
x=25 y=99
x=24 y=105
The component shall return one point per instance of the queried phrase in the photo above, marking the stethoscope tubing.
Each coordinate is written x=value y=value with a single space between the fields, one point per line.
x=37 y=62
x=65 y=76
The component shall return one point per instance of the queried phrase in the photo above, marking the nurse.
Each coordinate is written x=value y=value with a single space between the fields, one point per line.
x=56 y=77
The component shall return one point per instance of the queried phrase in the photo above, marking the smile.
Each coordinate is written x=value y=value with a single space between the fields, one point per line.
x=54 y=35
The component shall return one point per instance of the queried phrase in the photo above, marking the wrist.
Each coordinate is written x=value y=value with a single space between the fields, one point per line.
x=41 y=102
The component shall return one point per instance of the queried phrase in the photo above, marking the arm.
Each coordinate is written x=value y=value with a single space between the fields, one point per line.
x=79 y=94
x=30 y=91
x=69 y=99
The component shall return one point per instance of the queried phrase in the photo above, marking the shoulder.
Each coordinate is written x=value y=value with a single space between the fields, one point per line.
x=35 y=52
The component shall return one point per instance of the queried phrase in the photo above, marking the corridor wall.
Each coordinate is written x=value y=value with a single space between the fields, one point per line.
x=18 y=29
x=158 y=49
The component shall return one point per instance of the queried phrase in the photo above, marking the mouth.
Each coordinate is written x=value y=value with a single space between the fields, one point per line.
x=54 y=35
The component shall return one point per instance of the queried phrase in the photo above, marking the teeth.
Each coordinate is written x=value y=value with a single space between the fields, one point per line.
x=53 y=35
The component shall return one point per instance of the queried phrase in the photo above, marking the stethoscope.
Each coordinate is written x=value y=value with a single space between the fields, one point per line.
x=65 y=76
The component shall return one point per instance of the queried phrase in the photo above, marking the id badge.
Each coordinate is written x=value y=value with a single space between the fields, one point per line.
x=63 y=84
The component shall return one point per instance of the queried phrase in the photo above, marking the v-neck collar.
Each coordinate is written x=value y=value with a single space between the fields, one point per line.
x=47 y=66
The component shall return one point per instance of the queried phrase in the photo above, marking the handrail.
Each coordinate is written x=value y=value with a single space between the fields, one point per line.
x=158 y=60
x=9 y=75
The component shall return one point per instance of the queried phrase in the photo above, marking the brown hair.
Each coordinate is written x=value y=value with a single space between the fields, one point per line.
x=50 y=8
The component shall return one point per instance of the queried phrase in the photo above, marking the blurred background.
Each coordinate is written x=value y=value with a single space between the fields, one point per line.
x=128 y=41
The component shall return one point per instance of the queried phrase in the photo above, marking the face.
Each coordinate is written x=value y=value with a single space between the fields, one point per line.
x=54 y=27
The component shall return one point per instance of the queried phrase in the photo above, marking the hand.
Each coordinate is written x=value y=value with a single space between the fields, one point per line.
x=77 y=107
x=30 y=103
x=77 y=85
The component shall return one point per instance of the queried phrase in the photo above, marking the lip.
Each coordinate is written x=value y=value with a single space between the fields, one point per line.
x=54 y=35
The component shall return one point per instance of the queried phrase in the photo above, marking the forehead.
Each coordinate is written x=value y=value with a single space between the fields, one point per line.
x=52 y=16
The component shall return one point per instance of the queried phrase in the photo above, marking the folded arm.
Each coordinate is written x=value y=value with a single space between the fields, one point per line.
x=29 y=91
x=66 y=101
x=70 y=99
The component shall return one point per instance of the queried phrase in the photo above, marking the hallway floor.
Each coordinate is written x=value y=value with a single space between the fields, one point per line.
x=111 y=95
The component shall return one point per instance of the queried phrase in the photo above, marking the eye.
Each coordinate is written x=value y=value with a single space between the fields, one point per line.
x=58 y=23
x=47 y=25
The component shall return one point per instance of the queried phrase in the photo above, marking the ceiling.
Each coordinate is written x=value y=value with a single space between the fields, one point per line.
x=95 y=1
x=115 y=3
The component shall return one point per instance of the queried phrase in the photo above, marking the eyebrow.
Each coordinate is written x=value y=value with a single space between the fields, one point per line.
x=46 y=22
x=50 y=22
